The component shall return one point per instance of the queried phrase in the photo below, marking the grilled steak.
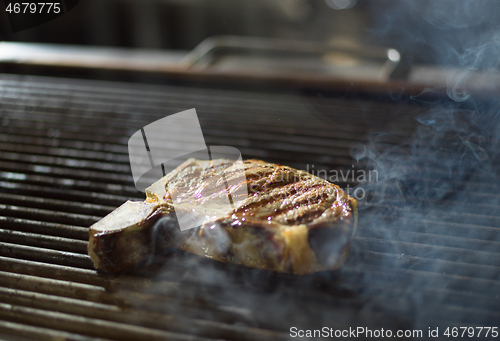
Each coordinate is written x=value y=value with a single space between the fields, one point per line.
x=290 y=221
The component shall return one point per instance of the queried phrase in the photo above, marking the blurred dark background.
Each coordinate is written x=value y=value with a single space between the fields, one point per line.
x=422 y=30
x=182 y=24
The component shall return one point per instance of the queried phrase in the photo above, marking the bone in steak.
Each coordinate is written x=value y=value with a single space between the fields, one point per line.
x=291 y=221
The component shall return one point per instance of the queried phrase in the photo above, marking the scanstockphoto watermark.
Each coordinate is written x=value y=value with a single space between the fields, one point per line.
x=356 y=332
x=347 y=175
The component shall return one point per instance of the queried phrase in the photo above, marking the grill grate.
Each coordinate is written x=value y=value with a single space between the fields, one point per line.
x=64 y=164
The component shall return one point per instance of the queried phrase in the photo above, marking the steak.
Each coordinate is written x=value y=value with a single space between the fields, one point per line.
x=288 y=221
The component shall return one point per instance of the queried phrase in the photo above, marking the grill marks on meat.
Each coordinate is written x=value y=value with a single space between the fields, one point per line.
x=291 y=221
x=286 y=195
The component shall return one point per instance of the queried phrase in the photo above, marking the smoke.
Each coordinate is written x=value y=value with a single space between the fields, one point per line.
x=432 y=32
x=455 y=136
x=445 y=175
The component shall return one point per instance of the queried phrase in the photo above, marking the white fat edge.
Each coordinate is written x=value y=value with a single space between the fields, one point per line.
x=128 y=215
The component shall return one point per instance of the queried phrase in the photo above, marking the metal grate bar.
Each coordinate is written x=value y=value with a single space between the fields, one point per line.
x=52 y=204
x=43 y=241
x=42 y=334
x=86 y=325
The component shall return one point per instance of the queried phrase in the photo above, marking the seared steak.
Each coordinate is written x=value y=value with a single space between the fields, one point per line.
x=290 y=221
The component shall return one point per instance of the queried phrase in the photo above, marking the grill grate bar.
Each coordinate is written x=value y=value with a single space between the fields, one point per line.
x=69 y=172
x=445 y=228
x=85 y=325
x=46 y=255
x=54 y=287
x=42 y=334
x=82 y=185
x=456 y=216
x=63 y=194
x=74 y=153
x=68 y=274
x=43 y=241
x=430 y=239
x=390 y=279
x=38 y=137
x=55 y=205
x=384 y=275
x=454 y=254
x=64 y=162
x=41 y=227
x=430 y=265
x=47 y=215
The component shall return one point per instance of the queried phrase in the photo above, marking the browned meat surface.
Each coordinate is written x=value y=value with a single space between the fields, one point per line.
x=291 y=221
